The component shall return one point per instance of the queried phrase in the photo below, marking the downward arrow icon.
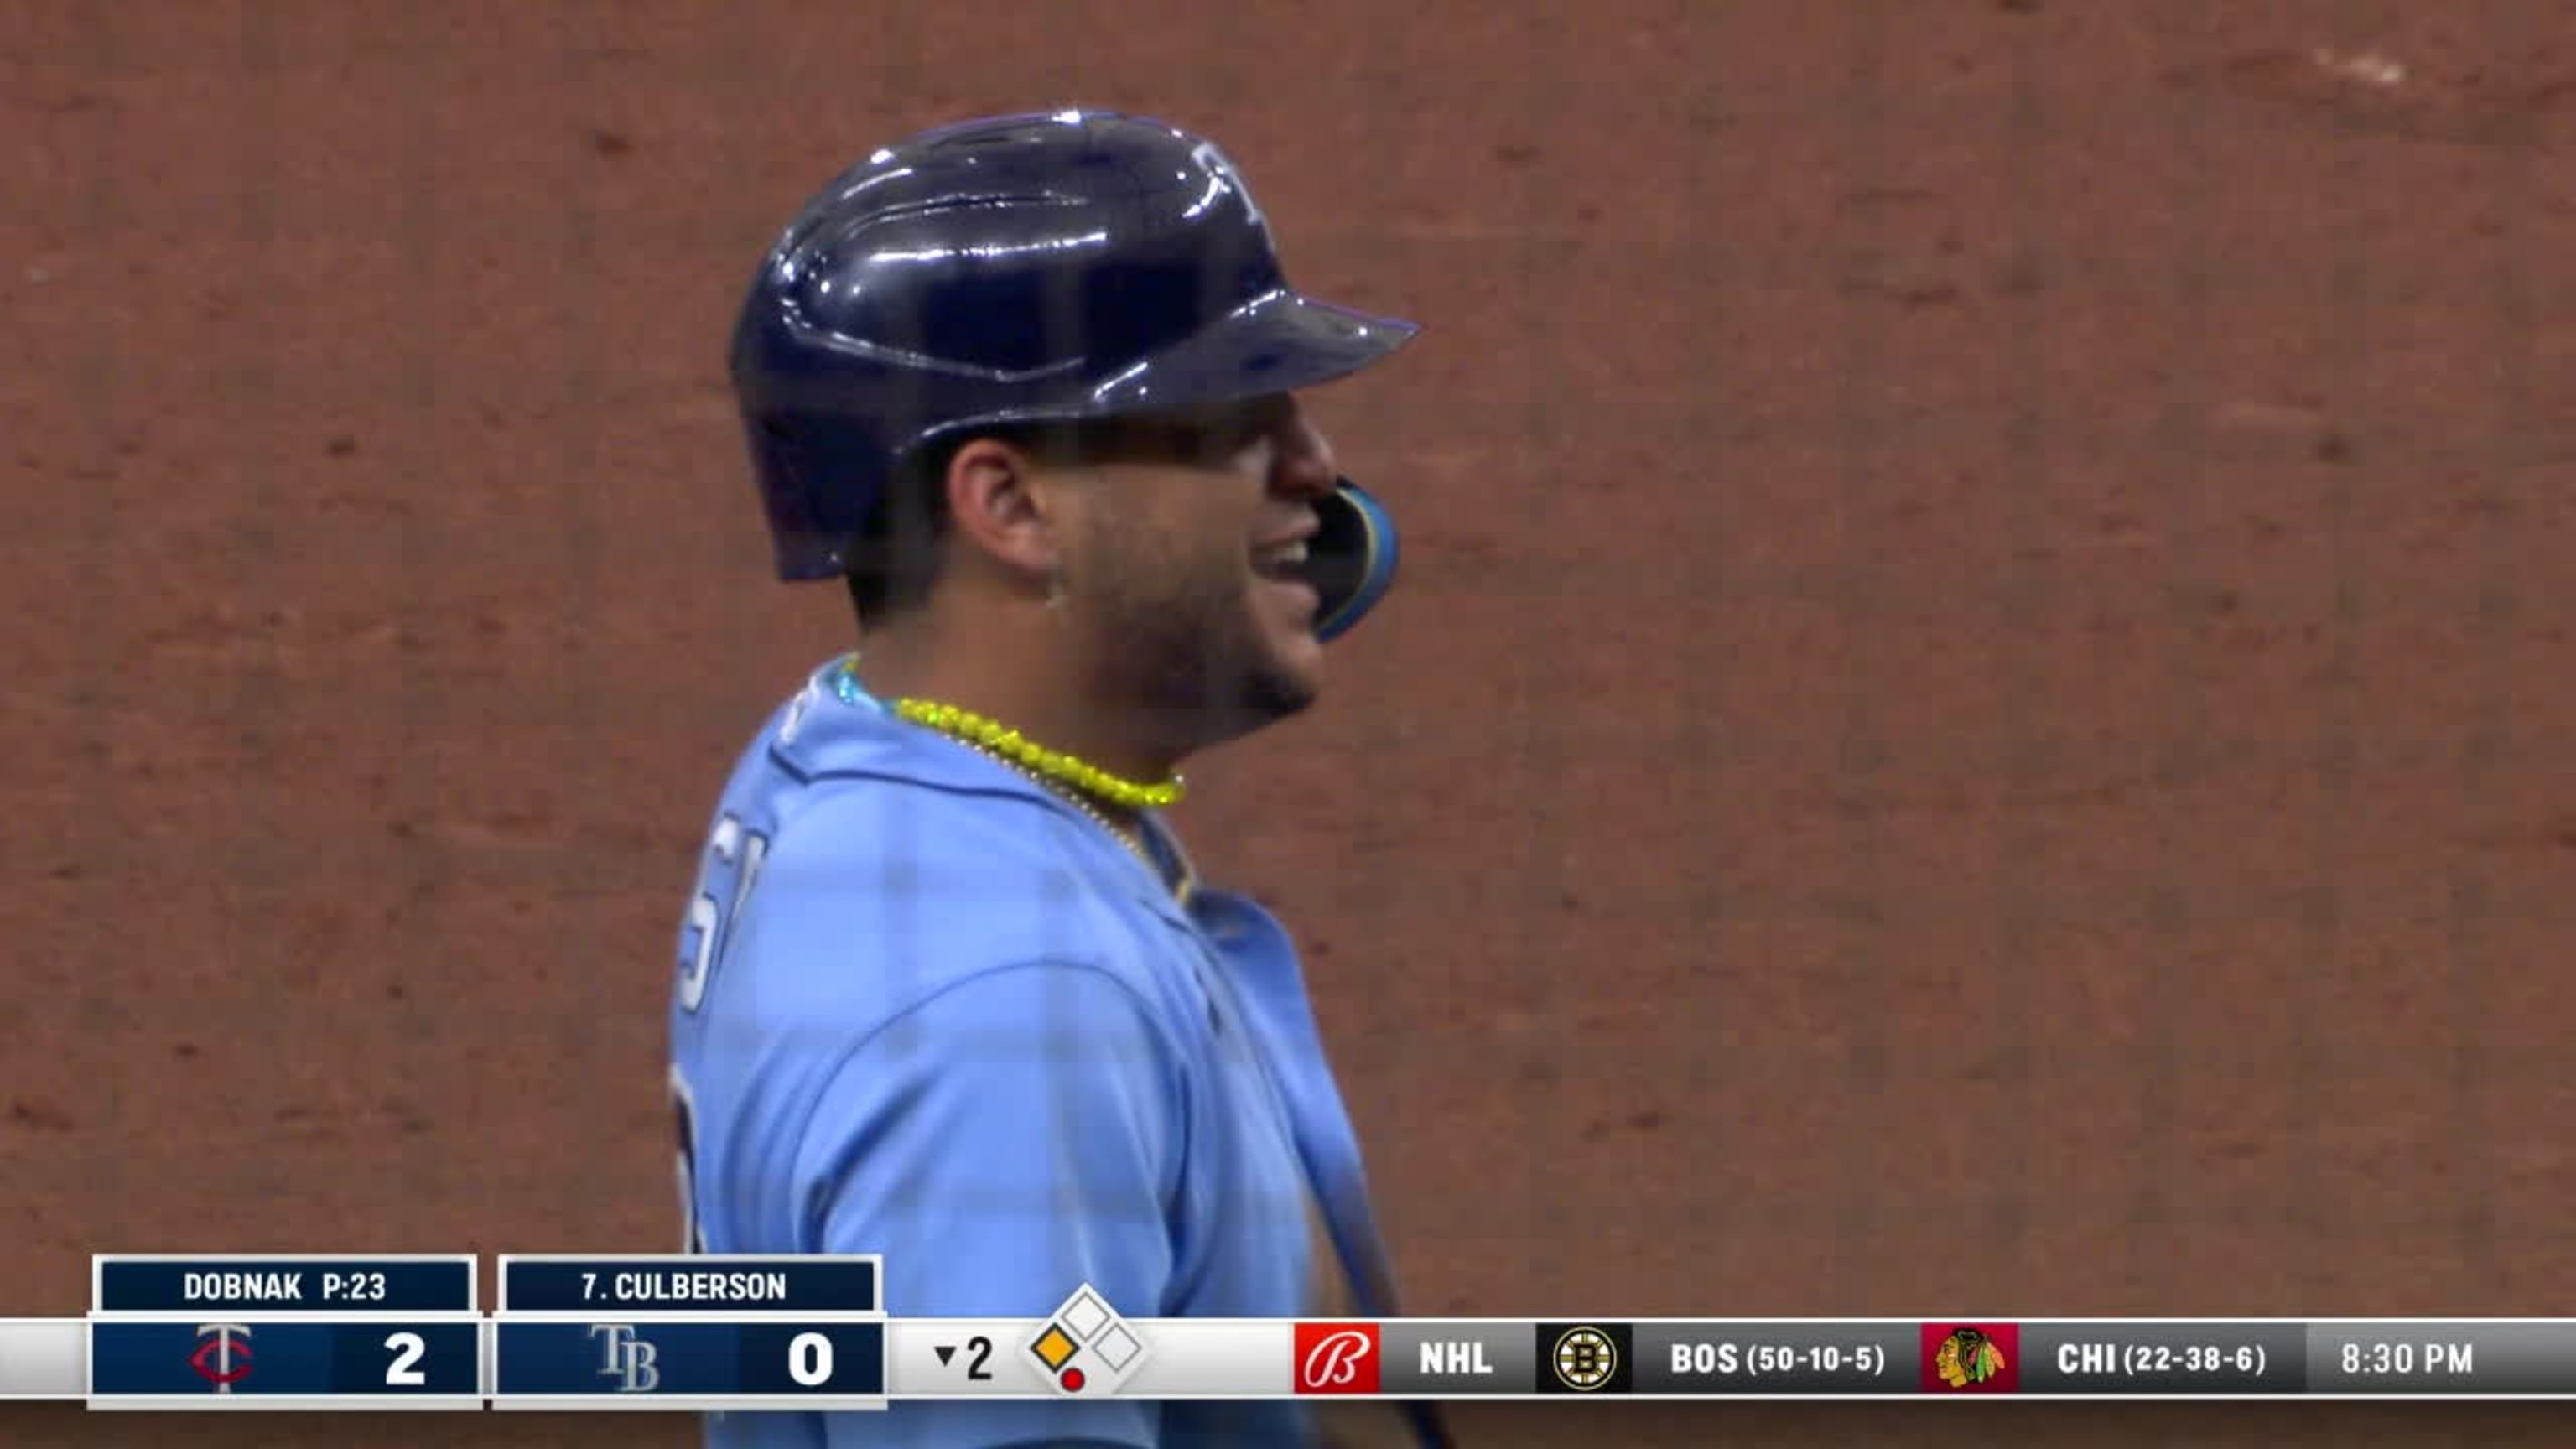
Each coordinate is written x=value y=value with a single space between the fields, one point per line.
x=946 y=1351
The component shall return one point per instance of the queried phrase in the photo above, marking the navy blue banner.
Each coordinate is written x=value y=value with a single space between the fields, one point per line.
x=716 y=1287
x=285 y=1285
x=690 y=1360
x=272 y=1359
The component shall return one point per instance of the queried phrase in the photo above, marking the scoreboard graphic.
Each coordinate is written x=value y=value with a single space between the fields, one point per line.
x=284 y=1333
x=702 y=1332
x=714 y=1333
x=1086 y=1348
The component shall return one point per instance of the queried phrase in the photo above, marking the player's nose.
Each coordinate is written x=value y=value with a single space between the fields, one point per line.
x=1304 y=467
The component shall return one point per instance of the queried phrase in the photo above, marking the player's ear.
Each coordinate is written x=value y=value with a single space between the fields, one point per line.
x=998 y=502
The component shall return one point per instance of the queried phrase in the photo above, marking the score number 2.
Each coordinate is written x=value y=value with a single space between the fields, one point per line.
x=404 y=1372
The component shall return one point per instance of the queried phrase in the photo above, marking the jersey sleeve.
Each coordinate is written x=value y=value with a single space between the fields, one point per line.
x=1009 y=1139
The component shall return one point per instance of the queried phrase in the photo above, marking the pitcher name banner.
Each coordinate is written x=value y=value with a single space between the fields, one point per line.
x=268 y=1285
x=698 y=1284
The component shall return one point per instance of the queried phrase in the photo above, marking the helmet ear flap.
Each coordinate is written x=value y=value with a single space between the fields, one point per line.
x=817 y=487
x=1352 y=560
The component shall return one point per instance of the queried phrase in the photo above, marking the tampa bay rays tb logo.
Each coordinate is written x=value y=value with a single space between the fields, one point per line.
x=627 y=1358
x=1218 y=164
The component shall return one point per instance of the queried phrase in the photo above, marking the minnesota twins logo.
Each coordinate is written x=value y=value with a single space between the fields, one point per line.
x=627 y=1358
x=223 y=1355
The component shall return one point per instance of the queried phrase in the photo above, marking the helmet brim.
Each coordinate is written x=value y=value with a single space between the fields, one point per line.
x=1277 y=342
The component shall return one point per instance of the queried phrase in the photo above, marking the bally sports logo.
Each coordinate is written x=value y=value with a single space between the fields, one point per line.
x=1337 y=1358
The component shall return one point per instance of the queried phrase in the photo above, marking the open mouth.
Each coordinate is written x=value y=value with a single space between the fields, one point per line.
x=1282 y=563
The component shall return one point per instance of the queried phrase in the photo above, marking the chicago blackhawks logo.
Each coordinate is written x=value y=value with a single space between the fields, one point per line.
x=1967 y=1357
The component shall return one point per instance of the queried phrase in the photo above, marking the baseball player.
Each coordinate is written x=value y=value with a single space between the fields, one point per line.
x=948 y=988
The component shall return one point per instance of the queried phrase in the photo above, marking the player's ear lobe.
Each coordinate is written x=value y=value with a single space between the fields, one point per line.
x=997 y=499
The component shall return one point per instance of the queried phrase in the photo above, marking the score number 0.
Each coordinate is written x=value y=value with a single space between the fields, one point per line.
x=809 y=1360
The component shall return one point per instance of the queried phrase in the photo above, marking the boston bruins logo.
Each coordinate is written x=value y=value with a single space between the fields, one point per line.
x=1584 y=1359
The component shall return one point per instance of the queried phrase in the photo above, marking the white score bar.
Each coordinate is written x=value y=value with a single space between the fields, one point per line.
x=44 y=1358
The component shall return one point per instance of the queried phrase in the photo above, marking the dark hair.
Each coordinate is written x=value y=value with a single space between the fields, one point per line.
x=894 y=560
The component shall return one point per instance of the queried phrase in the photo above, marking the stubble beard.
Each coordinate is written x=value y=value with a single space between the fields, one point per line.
x=1186 y=648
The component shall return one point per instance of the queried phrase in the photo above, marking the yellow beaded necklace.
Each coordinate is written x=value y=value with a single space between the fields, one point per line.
x=1082 y=775
x=1075 y=781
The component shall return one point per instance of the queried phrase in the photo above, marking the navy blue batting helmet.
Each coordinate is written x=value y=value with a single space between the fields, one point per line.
x=1028 y=269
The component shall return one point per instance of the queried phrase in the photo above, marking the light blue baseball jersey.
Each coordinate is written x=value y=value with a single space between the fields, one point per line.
x=927 y=1009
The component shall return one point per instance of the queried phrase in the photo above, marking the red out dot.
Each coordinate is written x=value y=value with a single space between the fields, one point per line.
x=1073 y=1380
